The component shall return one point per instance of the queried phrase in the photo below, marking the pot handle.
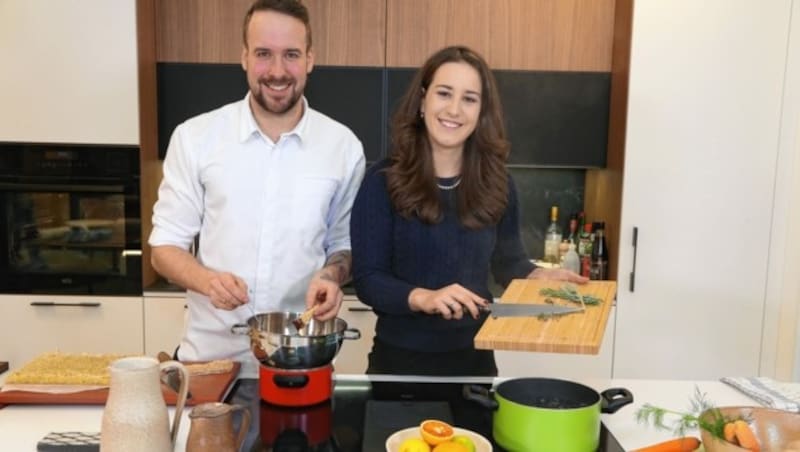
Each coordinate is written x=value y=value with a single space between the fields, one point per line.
x=356 y=334
x=240 y=328
x=614 y=399
x=480 y=395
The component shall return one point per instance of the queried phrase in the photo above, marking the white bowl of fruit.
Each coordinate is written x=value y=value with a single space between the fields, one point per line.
x=437 y=436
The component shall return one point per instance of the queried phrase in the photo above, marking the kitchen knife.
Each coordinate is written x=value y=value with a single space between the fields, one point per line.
x=527 y=309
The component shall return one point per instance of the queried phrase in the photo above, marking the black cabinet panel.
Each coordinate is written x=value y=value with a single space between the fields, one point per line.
x=352 y=96
x=554 y=119
x=189 y=89
x=557 y=119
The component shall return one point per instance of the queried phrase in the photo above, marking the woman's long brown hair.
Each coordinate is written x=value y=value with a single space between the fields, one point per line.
x=411 y=180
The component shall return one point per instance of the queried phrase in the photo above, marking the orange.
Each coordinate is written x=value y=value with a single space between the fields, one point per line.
x=450 y=446
x=434 y=431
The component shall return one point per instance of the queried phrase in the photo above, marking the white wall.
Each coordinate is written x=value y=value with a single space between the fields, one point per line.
x=69 y=71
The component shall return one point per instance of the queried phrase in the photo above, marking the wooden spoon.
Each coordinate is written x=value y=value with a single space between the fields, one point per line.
x=300 y=322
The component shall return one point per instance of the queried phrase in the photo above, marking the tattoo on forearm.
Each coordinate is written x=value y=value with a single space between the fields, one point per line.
x=337 y=268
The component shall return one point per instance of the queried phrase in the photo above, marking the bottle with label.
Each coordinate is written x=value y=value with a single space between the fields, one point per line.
x=552 y=238
x=599 y=269
x=571 y=260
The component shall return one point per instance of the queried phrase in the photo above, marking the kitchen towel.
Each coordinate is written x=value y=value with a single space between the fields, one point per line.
x=768 y=392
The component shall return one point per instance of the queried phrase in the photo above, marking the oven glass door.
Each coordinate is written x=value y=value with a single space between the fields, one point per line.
x=70 y=239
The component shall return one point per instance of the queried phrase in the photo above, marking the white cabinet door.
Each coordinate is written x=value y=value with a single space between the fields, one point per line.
x=34 y=324
x=704 y=109
x=164 y=320
x=352 y=358
x=560 y=365
x=75 y=60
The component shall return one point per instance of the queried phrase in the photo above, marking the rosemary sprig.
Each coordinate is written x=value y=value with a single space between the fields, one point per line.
x=570 y=293
x=714 y=422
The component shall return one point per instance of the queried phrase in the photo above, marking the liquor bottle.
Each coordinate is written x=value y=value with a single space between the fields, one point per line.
x=585 y=250
x=599 y=268
x=573 y=229
x=552 y=238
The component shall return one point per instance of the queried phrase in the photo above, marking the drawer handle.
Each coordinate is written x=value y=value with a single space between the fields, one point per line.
x=52 y=303
x=360 y=309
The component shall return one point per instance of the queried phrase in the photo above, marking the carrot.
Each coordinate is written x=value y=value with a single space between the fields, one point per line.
x=684 y=444
x=747 y=439
x=730 y=432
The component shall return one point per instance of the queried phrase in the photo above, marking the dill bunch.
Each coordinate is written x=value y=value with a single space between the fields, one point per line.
x=702 y=414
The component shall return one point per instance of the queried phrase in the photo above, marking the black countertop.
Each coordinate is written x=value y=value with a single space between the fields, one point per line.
x=339 y=424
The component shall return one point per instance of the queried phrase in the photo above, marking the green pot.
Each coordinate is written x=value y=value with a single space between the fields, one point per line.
x=547 y=415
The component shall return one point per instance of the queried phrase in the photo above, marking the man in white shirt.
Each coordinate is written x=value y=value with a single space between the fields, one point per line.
x=268 y=184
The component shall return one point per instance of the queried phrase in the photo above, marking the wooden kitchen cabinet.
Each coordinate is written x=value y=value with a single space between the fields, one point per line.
x=164 y=321
x=701 y=149
x=557 y=35
x=352 y=358
x=34 y=324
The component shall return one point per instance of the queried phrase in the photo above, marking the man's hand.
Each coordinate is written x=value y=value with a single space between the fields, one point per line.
x=558 y=274
x=227 y=291
x=324 y=289
x=326 y=294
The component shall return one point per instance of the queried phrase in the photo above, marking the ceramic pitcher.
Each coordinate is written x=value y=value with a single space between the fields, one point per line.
x=212 y=428
x=135 y=417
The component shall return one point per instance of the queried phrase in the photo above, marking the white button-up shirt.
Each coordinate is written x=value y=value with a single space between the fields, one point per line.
x=268 y=212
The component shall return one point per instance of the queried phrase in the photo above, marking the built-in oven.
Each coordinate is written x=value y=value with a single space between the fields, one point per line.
x=70 y=219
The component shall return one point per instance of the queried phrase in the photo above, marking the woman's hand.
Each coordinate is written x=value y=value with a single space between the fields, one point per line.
x=450 y=302
x=558 y=274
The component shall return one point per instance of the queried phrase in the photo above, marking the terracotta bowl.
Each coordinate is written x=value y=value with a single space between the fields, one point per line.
x=776 y=430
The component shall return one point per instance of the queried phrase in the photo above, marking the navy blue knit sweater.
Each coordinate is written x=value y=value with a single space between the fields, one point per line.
x=393 y=255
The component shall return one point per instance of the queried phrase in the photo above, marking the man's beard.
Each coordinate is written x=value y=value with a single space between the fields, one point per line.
x=276 y=107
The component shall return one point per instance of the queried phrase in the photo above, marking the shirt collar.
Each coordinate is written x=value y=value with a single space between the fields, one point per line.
x=248 y=125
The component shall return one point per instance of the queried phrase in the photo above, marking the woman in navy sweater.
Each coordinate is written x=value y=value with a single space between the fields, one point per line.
x=430 y=222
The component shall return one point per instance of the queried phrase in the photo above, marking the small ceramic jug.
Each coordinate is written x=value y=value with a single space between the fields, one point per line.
x=212 y=428
x=135 y=417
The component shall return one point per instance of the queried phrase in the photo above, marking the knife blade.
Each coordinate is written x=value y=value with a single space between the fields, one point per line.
x=527 y=309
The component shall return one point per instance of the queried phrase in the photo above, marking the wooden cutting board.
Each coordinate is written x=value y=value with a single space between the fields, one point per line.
x=579 y=333
x=204 y=388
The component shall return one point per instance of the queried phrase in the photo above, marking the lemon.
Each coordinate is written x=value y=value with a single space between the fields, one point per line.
x=464 y=441
x=414 y=445
x=450 y=446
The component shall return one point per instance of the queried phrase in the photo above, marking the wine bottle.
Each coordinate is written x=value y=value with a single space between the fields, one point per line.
x=573 y=229
x=552 y=238
x=599 y=270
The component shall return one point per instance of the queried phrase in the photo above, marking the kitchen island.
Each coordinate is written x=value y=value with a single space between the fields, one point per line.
x=343 y=418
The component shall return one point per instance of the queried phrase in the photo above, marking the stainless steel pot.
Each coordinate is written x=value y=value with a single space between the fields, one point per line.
x=276 y=342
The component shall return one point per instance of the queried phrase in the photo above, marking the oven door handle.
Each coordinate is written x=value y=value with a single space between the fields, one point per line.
x=11 y=186
x=53 y=303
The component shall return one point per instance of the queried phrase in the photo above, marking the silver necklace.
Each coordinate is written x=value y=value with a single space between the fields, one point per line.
x=451 y=186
